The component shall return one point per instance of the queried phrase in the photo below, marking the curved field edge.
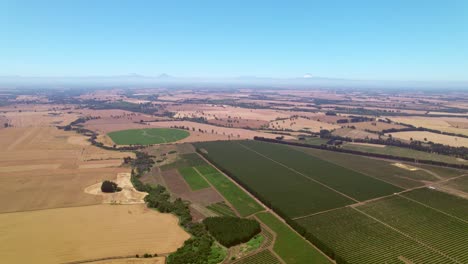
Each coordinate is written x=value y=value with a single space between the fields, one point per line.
x=291 y=247
x=147 y=136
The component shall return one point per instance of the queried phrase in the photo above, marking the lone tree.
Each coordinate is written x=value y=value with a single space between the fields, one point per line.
x=110 y=187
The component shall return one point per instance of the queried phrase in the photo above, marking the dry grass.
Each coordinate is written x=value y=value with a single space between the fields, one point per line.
x=445 y=124
x=436 y=138
x=354 y=133
x=89 y=232
x=42 y=169
x=375 y=126
x=301 y=123
x=156 y=260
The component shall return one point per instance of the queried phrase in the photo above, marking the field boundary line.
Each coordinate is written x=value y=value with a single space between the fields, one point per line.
x=408 y=236
x=300 y=173
x=321 y=212
x=214 y=188
x=435 y=209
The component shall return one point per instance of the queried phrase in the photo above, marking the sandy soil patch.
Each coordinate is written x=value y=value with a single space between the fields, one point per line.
x=436 y=138
x=405 y=166
x=128 y=195
x=88 y=232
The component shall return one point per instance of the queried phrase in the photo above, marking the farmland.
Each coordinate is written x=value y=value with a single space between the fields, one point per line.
x=384 y=170
x=290 y=246
x=147 y=136
x=242 y=202
x=87 y=231
x=193 y=178
x=425 y=136
x=311 y=185
x=403 y=152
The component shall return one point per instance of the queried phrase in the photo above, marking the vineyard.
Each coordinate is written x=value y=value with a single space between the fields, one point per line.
x=309 y=184
x=439 y=231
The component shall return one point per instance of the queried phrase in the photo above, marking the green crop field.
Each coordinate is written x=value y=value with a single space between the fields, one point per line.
x=262 y=257
x=291 y=181
x=193 y=178
x=420 y=226
x=242 y=202
x=382 y=169
x=221 y=209
x=147 y=136
x=359 y=239
x=291 y=247
x=438 y=230
x=441 y=201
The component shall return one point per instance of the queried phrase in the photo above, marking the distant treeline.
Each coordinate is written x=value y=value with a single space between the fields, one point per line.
x=377 y=155
x=430 y=147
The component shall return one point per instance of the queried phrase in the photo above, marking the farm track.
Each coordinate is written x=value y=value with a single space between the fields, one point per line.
x=299 y=173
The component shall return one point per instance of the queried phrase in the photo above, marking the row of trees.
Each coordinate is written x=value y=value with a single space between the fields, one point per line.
x=231 y=231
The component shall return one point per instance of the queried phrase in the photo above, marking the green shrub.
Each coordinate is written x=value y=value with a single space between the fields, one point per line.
x=110 y=187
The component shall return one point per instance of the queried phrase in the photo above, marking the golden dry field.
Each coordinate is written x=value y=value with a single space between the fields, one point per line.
x=429 y=136
x=455 y=125
x=86 y=233
x=44 y=208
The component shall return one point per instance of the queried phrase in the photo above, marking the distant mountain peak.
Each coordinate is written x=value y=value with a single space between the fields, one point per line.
x=164 y=76
x=307 y=76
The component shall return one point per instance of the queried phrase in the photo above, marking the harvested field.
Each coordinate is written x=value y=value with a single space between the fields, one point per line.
x=179 y=188
x=52 y=177
x=429 y=136
x=301 y=123
x=87 y=232
x=375 y=126
x=446 y=124
x=225 y=112
x=354 y=133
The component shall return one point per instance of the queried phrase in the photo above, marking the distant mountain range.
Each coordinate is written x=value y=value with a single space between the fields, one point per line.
x=137 y=80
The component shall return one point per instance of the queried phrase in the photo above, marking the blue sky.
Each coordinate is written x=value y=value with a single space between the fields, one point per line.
x=386 y=40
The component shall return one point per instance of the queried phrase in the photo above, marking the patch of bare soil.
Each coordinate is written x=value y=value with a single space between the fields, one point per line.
x=128 y=195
